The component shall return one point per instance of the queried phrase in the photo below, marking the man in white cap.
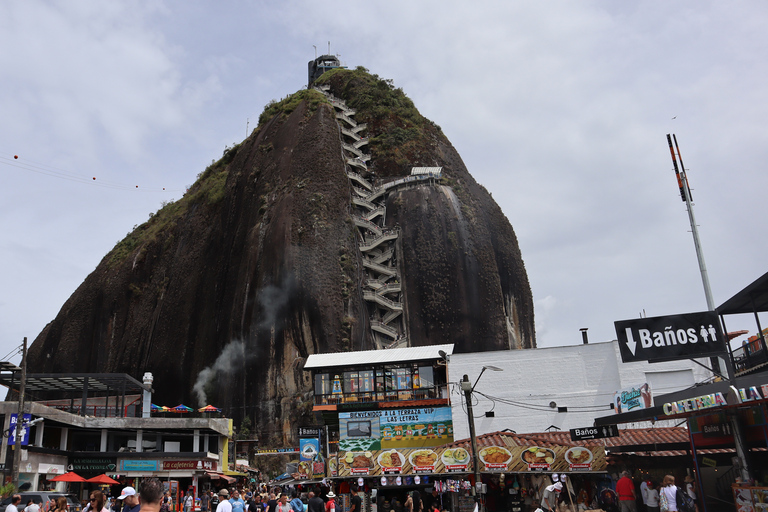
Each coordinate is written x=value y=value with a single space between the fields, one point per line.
x=549 y=498
x=130 y=500
x=224 y=503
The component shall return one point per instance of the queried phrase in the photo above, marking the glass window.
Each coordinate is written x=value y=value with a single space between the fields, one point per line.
x=322 y=384
x=351 y=382
x=366 y=381
x=390 y=380
x=426 y=377
x=403 y=378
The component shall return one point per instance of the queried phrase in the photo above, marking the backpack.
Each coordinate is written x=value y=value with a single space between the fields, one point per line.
x=684 y=501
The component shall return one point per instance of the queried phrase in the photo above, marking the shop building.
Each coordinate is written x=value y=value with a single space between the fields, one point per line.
x=111 y=434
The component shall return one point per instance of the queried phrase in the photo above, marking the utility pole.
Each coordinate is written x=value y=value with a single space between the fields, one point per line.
x=466 y=386
x=739 y=440
x=19 y=417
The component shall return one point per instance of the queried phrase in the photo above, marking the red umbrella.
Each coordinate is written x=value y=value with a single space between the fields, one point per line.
x=103 y=479
x=68 y=477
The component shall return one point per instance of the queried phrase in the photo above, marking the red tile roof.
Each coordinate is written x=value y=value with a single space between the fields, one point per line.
x=653 y=438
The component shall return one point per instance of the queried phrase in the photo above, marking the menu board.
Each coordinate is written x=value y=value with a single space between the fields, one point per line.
x=502 y=459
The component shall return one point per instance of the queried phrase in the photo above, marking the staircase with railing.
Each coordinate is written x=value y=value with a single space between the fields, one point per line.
x=377 y=244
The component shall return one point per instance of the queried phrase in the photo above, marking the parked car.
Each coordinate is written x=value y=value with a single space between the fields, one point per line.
x=41 y=498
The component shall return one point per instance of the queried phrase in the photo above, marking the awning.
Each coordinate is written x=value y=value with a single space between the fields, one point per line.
x=213 y=475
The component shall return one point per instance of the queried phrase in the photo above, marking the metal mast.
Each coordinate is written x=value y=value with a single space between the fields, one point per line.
x=685 y=194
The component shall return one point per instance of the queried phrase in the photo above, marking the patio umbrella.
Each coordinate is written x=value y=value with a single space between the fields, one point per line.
x=103 y=479
x=209 y=408
x=155 y=408
x=68 y=477
x=181 y=408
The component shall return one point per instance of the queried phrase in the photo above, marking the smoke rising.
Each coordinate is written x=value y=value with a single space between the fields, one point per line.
x=229 y=359
x=273 y=301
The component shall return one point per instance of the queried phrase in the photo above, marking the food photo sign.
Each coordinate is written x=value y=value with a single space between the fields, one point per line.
x=492 y=459
x=541 y=458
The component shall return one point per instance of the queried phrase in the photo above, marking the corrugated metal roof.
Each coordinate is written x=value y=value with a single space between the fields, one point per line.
x=392 y=355
x=426 y=170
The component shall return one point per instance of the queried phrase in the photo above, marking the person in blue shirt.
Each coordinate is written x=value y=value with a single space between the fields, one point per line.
x=238 y=505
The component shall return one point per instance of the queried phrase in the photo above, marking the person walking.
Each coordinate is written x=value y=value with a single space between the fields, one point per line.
x=189 y=502
x=151 y=495
x=652 y=497
x=283 y=505
x=668 y=495
x=130 y=499
x=331 y=505
x=224 y=504
x=625 y=488
x=315 y=502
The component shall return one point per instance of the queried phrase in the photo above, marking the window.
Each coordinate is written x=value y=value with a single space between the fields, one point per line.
x=351 y=382
x=426 y=377
x=366 y=381
x=322 y=384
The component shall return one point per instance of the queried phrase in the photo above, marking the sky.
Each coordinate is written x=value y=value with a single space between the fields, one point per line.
x=560 y=109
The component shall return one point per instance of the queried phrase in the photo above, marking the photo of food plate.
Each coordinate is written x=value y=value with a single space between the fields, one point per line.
x=538 y=455
x=305 y=468
x=358 y=459
x=422 y=458
x=578 y=455
x=494 y=455
x=453 y=456
x=390 y=459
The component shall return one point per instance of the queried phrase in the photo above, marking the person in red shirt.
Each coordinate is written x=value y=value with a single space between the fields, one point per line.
x=331 y=505
x=625 y=488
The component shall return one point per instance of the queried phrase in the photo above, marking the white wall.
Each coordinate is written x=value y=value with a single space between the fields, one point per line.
x=582 y=378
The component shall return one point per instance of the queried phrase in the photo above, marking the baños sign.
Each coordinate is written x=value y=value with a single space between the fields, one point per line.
x=667 y=338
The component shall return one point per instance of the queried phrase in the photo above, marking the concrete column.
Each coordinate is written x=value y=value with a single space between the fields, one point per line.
x=205 y=443
x=103 y=440
x=139 y=440
x=64 y=438
x=196 y=444
x=39 y=429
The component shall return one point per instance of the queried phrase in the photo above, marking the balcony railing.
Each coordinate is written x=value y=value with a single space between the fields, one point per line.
x=748 y=357
x=425 y=393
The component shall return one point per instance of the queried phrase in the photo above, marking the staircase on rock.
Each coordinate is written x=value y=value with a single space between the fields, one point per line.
x=381 y=286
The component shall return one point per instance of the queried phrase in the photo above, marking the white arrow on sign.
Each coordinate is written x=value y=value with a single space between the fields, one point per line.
x=631 y=343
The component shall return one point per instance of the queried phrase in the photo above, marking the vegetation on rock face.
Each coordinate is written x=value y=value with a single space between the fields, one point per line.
x=209 y=189
x=399 y=133
x=289 y=104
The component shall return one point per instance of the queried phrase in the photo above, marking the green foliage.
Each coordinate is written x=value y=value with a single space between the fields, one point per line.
x=289 y=104
x=7 y=489
x=244 y=432
x=209 y=189
x=398 y=131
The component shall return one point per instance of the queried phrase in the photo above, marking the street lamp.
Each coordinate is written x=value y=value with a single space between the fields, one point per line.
x=468 y=389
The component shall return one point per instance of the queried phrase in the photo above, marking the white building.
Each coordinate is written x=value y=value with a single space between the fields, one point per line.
x=563 y=387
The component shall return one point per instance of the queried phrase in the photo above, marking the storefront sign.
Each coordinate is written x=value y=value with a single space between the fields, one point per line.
x=395 y=428
x=278 y=450
x=668 y=338
x=189 y=465
x=51 y=469
x=694 y=404
x=309 y=448
x=93 y=464
x=706 y=461
x=633 y=398
x=139 y=465
x=753 y=393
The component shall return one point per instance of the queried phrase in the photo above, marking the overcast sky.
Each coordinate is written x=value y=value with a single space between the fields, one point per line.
x=560 y=109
